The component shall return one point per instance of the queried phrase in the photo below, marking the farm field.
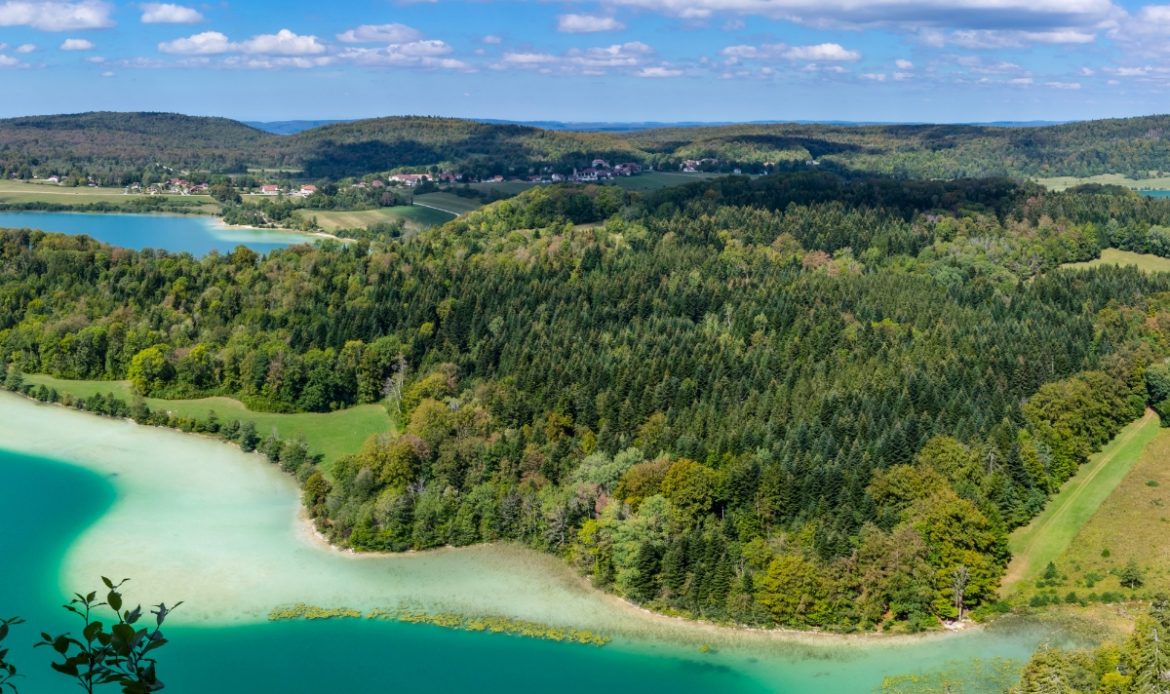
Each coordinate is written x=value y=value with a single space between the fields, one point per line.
x=1066 y=182
x=414 y=216
x=1131 y=525
x=1052 y=533
x=1112 y=256
x=504 y=187
x=657 y=180
x=331 y=434
x=25 y=192
x=448 y=202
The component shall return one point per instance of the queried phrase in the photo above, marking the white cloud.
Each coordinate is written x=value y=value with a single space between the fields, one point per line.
x=659 y=71
x=380 y=33
x=631 y=57
x=430 y=53
x=904 y=64
x=53 y=15
x=107 y=73
x=266 y=62
x=1022 y=81
x=984 y=38
x=26 y=48
x=822 y=51
x=206 y=43
x=524 y=59
x=587 y=24
x=76 y=45
x=1064 y=85
x=492 y=39
x=167 y=13
x=874 y=76
x=95 y=59
x=283 y=42
x=832 y=52
x=967 y=14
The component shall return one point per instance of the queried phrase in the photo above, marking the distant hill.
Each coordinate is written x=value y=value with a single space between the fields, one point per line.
x=122 y=147
x=102 y=142
x=382 y=144
x=289 y=127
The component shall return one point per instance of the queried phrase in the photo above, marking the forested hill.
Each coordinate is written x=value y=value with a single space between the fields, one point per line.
x=482 y=149
x=1132 y=146
x=791 y=400
x=118 y=147
x=104 y=143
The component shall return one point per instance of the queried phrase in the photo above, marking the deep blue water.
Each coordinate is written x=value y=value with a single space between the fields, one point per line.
x=193 y=234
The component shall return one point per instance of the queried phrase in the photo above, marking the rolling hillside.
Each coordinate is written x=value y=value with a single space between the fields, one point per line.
x=120 y=147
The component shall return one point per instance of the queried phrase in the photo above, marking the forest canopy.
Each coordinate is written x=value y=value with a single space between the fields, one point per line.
x=810 y=399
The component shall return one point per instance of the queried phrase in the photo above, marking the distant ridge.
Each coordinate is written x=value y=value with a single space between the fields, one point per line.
x=290 y=127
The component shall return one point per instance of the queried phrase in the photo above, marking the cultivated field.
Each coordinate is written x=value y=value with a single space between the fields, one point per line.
x=1050 y=534
x=1113 y=256
x=657 y=180
x=414 y=216
x=332 y=434
x=448 y=202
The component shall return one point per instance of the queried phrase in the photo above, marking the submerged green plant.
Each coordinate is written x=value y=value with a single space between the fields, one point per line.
x=121 y=654
x=7 y=669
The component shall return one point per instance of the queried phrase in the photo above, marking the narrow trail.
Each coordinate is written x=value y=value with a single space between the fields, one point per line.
x=440 y=209
x=1022 y=560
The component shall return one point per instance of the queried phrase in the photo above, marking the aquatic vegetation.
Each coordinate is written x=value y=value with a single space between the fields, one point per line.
x=303 y=611
x=494 y=625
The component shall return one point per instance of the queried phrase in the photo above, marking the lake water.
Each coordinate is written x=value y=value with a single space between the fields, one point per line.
x=1155 y=193
x=196 y=235
x=189 y=518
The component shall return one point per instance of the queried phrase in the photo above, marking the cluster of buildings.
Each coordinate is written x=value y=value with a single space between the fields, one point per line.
x=288 y=191
x=175 y=186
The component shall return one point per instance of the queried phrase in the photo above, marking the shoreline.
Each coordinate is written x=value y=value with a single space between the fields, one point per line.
x=622 y=619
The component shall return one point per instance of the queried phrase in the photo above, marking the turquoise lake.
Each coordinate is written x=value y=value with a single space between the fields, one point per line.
x=196 y=235
x=192 y=519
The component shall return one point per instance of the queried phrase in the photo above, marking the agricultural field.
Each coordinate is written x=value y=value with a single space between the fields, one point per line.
x=1065 y=182
x=504 y=187
x=25 y=192
x=331 y=434
x=414 y=216
x=1112 y=256
x=657 y=180
x=448 y=202
x=1058 y=529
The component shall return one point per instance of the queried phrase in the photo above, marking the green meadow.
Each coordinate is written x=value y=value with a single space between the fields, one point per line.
x=1113 y=256
x=1051 y=534
x=331 y=434
x=415 y=217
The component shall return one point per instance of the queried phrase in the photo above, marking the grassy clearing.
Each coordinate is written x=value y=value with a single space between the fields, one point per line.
x=1051 y=533
x=25 y=192
x=1113 y=256
x=415 y=217
x=332 y=434
x=1066 y=182
x=1133 y=524
x=657 y=180
x=448 y=202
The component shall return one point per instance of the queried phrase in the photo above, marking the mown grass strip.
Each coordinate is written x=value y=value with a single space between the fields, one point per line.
x=1050 y=533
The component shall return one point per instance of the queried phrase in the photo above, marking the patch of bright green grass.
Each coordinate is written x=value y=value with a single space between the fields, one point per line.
x=1113 y=256
x=415 y=217
x=448 y=202
x=1066 y=182
x=1050 y=534
x=331 y=434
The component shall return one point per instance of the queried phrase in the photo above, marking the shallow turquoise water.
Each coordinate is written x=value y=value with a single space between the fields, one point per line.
x=1156 y=193
x=193 y=234
x=44 y=504
x=184 y=503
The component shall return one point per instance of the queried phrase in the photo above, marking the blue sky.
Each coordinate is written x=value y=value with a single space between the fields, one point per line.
x=587 y=60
